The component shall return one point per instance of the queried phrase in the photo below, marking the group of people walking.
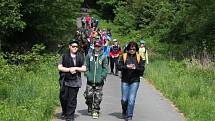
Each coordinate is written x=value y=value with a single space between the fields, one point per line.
x=95 y=66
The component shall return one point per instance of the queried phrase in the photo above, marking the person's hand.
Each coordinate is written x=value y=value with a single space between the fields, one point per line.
x=72 y=70
x=133 y=66
x=129 y=66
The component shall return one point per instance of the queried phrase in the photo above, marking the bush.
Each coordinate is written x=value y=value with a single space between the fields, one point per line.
x=28 y=95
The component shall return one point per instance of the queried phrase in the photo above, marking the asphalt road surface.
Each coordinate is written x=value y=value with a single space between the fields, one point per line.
x=150 y=104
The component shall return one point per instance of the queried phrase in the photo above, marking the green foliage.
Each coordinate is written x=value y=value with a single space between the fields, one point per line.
x=107 y=2
x=188 y=23
x=26 y=22
x=31 y=57
x=10 y=16
x=28 y=95
x=124 y=18
x=189 y=87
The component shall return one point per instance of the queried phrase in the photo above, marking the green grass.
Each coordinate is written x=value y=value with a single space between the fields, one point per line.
x=191 y=89
x=29 y=95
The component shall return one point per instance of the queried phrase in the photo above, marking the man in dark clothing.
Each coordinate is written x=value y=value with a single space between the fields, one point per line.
x=115 y=51
x=131 y=67
x=70 y=67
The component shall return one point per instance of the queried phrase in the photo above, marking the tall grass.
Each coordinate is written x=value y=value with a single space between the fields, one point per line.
x=28 y=93
x=191 y=89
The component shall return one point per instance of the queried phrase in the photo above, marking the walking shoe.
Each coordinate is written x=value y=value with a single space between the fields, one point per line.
x=124 y=116
x=95 y=115
x=63 y=116
x=89 y=110
x=70 y=119
x=128 y=119
x=111 y=73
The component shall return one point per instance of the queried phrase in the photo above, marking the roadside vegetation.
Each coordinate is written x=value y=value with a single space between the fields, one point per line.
x=28 y=86
x=179 y=36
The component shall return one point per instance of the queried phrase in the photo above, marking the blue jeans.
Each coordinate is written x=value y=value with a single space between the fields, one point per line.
x=129 y=92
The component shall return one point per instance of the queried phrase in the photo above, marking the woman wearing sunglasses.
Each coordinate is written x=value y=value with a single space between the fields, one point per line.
x=131 y=67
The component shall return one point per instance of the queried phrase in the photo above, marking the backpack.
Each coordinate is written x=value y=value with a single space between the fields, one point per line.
x=124 y=56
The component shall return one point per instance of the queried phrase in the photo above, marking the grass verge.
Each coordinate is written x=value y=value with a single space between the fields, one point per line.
x=28 y=93
x=191 y=89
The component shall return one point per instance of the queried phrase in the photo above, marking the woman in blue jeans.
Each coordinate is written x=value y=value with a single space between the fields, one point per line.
x=131 y=67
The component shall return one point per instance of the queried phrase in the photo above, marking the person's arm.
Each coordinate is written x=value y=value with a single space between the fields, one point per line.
x=140 y=67
x=104 y=67
x=87 y=64
x=121 y=66
x=147 y=59
x=111 y=52
x=120 y=51
x=83 y=67
x=63 y=69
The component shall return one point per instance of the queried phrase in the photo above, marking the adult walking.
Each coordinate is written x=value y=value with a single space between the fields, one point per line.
x=143 y=53
x=131 y=67
x=115 y=52
x=70 y=66
x=97 y=65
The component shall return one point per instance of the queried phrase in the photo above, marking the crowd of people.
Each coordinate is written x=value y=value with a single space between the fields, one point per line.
x=91 y=52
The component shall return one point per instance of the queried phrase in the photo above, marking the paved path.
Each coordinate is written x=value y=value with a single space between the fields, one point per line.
x=150 y=104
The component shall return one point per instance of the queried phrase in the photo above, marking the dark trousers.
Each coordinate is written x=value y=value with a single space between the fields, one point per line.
x=113 y=63
x=108 y=58
x=68 y=100
x=141 y=74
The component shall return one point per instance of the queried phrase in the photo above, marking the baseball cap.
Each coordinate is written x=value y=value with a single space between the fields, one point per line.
x=71 y=41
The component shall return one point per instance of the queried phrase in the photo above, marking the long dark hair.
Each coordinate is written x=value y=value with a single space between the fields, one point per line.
x=132 y=44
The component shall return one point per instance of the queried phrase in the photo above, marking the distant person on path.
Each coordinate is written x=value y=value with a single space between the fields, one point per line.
x=143 y=53
x=88 y=21
x=131 y=67
x=115 y=52
x=83 y=22
x=70 y=66
x=97 y=65
x=106 y=50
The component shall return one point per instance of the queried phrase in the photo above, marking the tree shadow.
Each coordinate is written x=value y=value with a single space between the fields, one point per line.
x=117 y=115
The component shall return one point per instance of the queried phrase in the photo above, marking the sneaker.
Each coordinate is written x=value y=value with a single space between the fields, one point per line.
x=89 y=111
x=95 y=115
x=63 y=116
x=70 y=119
x=129 y=119
x=124 y=116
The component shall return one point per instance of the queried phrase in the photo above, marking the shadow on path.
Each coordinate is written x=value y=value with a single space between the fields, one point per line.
x=58 y=116
x=117 y=115
x=83 y=112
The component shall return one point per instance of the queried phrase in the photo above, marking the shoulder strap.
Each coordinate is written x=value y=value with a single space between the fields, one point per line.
x=138 y=57
x=124 y=56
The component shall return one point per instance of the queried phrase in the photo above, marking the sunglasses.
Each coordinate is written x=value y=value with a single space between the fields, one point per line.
x=132 y=49
x=74 y=46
